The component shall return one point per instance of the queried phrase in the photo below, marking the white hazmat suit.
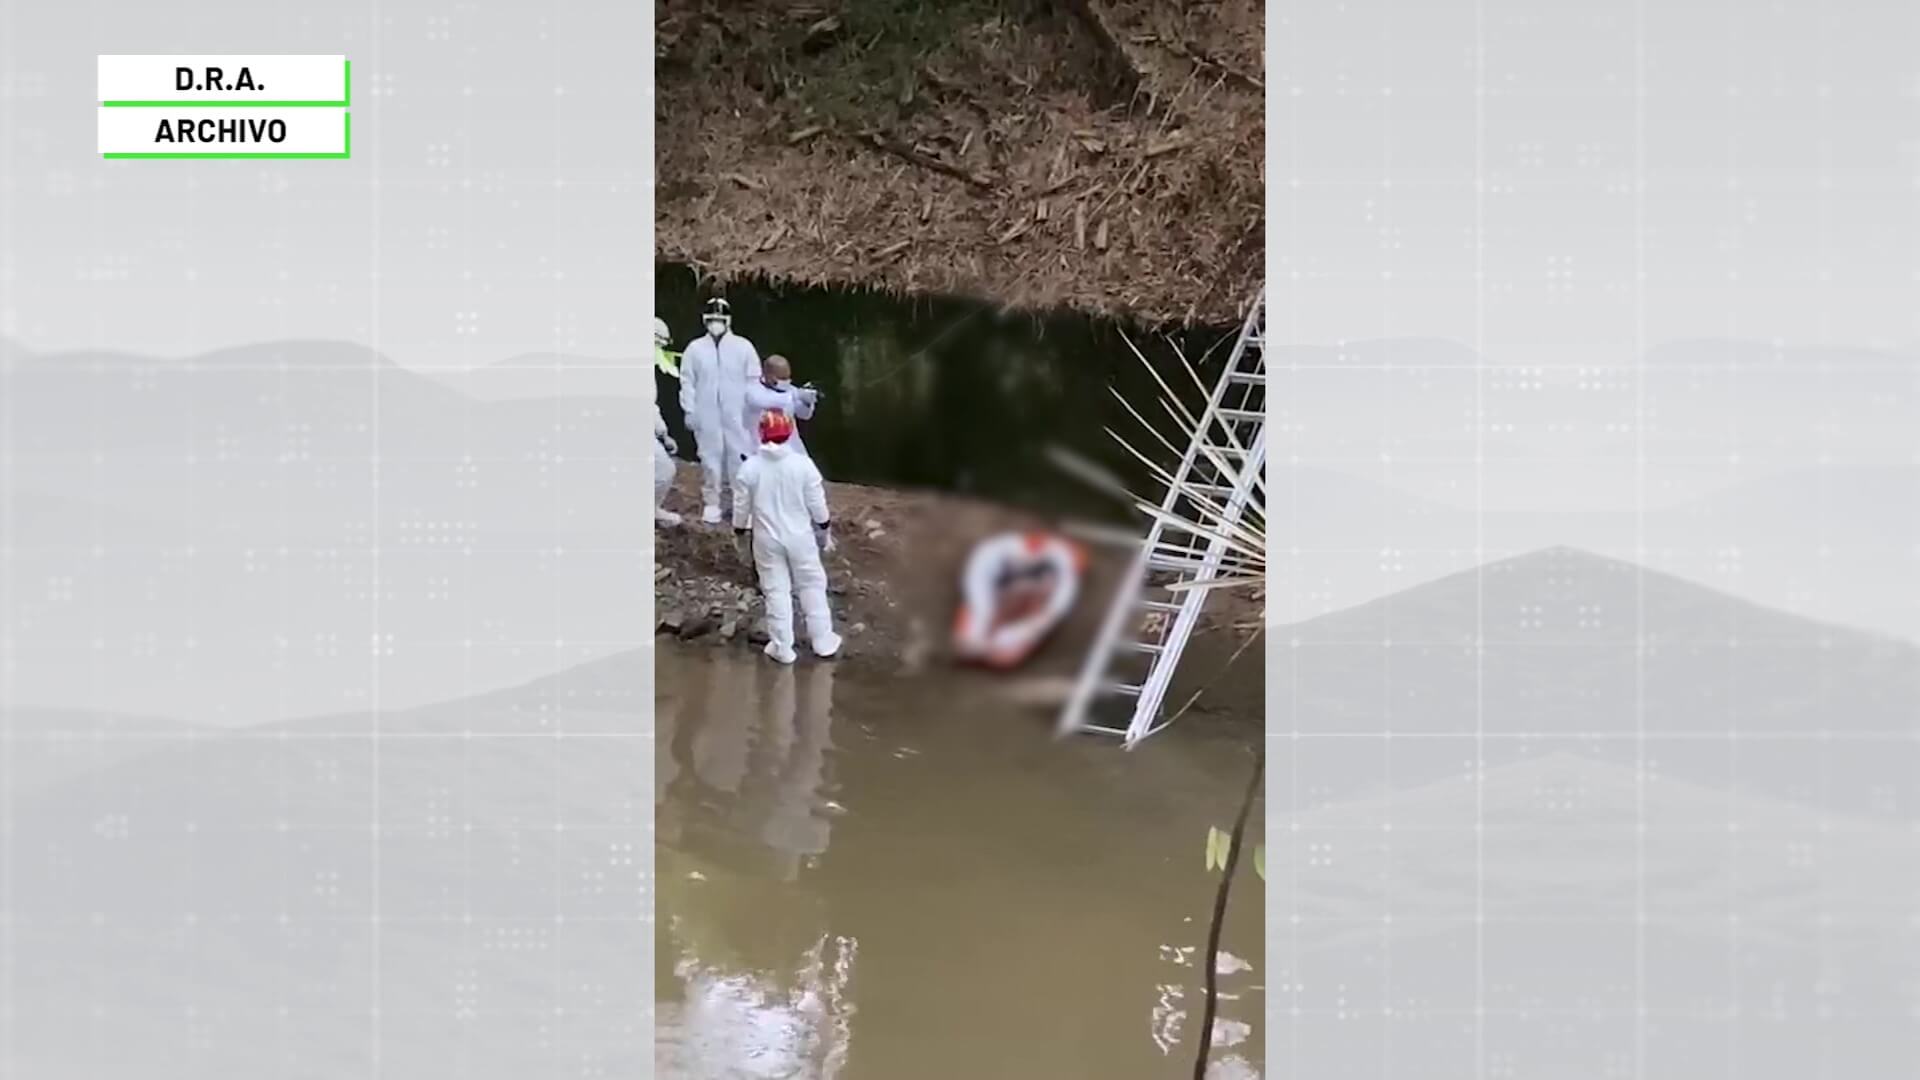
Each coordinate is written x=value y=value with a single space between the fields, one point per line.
x=714 y=376
x=780 y=496
x=663 y=449
x=663 y=445
x=795 y=401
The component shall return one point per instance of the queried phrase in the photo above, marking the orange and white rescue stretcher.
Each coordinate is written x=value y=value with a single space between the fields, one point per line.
x=1015 y=589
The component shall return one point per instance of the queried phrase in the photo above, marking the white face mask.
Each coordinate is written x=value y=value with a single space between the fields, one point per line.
x=716 y=327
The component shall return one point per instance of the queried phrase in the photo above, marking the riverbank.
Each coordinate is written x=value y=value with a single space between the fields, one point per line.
x=1098 y=155
x=893 y=581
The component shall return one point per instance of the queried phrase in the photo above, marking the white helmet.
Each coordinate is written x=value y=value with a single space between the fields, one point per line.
x=661 y=335
x=717 y=311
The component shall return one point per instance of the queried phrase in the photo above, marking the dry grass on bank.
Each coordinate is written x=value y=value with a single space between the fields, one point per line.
x=1097 y=155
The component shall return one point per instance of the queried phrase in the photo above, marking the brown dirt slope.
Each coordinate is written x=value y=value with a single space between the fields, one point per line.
x=1104 y=155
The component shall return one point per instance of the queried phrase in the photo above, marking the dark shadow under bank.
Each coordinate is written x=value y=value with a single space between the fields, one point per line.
x=956 y=394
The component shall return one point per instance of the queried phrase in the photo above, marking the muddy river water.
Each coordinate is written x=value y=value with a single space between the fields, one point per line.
x=875 y=879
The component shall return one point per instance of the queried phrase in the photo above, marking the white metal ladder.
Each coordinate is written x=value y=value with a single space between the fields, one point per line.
x=1153 y=613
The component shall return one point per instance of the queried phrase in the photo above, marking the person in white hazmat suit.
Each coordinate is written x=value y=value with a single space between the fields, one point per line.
x=715 y=371
x=781 y=499
x=774 y=392
x=664 y=447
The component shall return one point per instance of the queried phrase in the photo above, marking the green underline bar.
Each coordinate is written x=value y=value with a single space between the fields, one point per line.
x=232 y=104
x=218 y=157
x=262 y=156
x=224 y=104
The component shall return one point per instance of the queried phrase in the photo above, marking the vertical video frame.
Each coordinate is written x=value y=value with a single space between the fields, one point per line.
x=960 y=539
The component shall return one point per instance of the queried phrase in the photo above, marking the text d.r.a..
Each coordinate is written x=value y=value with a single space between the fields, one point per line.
x=214 y=79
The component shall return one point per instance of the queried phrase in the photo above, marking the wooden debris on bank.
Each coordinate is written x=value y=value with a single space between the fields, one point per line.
x=875 y=205
x=1201 y=59
x=1063 y=182
x=912 y=155
x=822 y=34
x=1163 y=147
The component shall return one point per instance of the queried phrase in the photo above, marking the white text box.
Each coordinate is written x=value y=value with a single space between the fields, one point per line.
x=271 y=78
x=223 y=132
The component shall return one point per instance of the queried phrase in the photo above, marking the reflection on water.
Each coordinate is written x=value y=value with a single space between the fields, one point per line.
x=863 y=879
x=738 y=1025
x=753 y=768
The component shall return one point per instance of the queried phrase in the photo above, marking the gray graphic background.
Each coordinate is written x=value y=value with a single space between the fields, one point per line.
x=1593 y=677
x=324 y=558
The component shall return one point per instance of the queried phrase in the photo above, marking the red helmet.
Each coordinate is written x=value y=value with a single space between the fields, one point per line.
x=775 y=426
